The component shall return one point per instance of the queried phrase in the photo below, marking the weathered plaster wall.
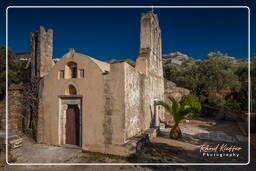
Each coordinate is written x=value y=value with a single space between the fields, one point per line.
x=114 y=114
x=149 y=64
x=117 y=104
x=133 y=101
x=91 y=88
x=153 y=90
x=141 y=91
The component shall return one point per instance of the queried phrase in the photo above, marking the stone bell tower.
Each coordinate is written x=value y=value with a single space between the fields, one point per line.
x=149 y=63
x=149 y=60
x=41 y=52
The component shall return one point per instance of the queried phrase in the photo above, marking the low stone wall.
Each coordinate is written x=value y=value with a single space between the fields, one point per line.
x=15 y=106
x=14 y=118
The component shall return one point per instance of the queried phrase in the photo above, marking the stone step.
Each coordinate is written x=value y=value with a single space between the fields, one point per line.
x=14 y=141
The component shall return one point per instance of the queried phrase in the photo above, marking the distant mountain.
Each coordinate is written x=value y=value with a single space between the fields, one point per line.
x=236 y=60
x=179 y=58
x=175 y=58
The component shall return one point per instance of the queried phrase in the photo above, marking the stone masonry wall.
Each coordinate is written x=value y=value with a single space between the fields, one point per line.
x=42 y=50
x=133 y=102
x=14 y=108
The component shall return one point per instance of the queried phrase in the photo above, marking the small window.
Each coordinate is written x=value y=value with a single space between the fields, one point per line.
x=74 y=72
x=81 y=71
x=71 y=70
x=61 y=74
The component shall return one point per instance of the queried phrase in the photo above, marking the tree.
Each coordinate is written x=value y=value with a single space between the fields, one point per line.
x=189 y=104
x=213 y=80
x=218 y=79
x=14 y=69
x=253 y=84
x=185 y=75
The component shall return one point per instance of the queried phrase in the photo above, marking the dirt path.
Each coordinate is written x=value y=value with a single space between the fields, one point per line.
x=196 y=134
x=32 y=152
x=160 y=150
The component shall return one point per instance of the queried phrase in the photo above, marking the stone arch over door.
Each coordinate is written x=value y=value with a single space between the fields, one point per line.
x=70 y=86
x=71 y=90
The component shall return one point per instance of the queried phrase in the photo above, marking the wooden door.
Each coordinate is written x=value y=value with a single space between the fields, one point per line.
x=73 y=125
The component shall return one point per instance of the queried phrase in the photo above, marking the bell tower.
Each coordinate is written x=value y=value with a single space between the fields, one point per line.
x=41 y=49
x=149 y=60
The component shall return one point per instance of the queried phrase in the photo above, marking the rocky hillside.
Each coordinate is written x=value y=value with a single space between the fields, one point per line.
x=172 y=90
x=175 y=58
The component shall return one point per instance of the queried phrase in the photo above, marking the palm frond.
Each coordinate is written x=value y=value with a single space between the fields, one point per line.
x=167 y=106
x=188 y=104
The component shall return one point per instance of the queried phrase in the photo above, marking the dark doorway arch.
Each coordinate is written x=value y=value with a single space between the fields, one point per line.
x=72 y=90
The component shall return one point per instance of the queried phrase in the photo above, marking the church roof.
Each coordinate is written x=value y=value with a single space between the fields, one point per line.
x=102 y=65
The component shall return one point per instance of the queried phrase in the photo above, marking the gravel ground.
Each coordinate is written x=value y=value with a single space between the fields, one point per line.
x=160 y=150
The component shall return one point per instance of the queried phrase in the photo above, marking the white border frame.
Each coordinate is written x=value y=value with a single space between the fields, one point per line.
x=249 y=85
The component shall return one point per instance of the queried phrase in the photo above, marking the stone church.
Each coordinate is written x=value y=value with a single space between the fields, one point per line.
x=95 y=105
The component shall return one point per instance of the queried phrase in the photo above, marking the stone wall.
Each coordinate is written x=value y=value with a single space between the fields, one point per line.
x=133 y=102
x=41 y=52
x=14 y=107
x=149 y=64
x=114 y=115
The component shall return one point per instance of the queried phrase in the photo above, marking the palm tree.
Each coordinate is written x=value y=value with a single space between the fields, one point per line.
x=189 y=104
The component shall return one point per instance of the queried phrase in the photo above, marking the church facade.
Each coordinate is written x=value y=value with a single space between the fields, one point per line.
x=93 y=104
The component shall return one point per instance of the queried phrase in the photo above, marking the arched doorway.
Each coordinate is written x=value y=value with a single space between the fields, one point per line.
x=73 y=125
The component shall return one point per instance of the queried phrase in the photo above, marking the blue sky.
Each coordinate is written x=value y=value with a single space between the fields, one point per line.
x=114 y=33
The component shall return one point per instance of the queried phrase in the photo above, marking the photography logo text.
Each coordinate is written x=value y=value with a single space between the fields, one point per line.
x=220 y=150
